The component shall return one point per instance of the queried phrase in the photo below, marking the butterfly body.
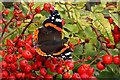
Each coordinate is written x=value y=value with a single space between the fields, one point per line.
x=48 y=39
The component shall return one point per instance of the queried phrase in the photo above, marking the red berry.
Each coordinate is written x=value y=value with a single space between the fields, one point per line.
x=63 y=22
x=10 y=42
x=29 y=42
x=35 y=66
x=28 y=68
x=9 y=58
x=55 y=60
x=28 y=75
x=43 y=71
x=48 y=77
x=90 y=71
x=40 y=58
x=6 y=12
x=84 y=76
x=107 y=39
x=48 y=63
x=0 y=29
x=21 y=15
x=116 y=29
x=20 y=50
x=39 y=64
x=101 y=65
x=59 y=69
x=4 y=64
x=92 y=78
x=87 y=40
x=67 y=75
x=107 y=59
x=37 y=9
x=81 y=70
x=116 y=38
x=14 y=66
x=14 y=58
x=89 y=58
x=76 y=76
x=15 y=39
x=110 y=20
x=40 y=77
x=53 y=68
x=4 y=74
x=27 y=55
x=19 y=75
x=12 y=77
x=27 y=46
x=116 y=60
x=48 y=7
x=69 y=66
x=18 y=23
x=23 y=62
x=33 y=51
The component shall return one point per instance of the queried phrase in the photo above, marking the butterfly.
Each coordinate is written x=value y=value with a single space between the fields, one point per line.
x=48 y=38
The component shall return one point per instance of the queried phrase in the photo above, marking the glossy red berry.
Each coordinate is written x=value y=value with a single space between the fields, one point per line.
x=69 y=65
x=67 y=75
x=9 y=58
x=101 y=65
x=27 y=55
x=21 y=15
x=29 y=42
x=55 y=60
x=15 y=39
x=28 y=68
x=35 y=66
x=63 y=22
x=14 y=66
x=116 y=38
x=4 y=74
x=12 y=77
x=81 y=70
x=84 y=76
x=107 y=39
x=43 y=71
x=53 y=68
x=76 y=76
x=90 y=71
x=19 y=75
x=39 y=64
x=6 y=12
x=48 y=63
x=116 y=60
x=40 y=77
x=10 y=42
x=59 y=69
x=110 y=20
x=0 y=29
x=107 y=59
x=28 y=75
x=4 y=64
x=37 y=9
x=40 y=58
x=48 y=77
x=87 y=40
x=92 y=78
x=23 y=62
x=27 y=46
x=20 y=50
x=116 y=29
x=18 y=23
x=33 y=51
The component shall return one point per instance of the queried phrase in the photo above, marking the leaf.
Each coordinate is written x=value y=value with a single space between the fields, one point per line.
x=102 y=24
x=115 y=18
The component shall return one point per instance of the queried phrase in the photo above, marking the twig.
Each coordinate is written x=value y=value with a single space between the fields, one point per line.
x=67 y=9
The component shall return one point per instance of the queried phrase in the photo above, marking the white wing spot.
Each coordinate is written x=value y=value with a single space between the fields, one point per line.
x=68 y=53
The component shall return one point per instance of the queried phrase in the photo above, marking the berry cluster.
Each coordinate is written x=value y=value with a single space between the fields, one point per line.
x=107 y=59
x=21 y=61
x=116 y=35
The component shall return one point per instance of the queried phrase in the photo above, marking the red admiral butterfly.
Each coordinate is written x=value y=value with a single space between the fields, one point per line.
x=48 y=39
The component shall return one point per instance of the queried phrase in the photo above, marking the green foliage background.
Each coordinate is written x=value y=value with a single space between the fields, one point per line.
x=77 y=26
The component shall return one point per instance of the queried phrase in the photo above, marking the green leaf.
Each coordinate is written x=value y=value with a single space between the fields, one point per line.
x=102 y=24
x=115 y=18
